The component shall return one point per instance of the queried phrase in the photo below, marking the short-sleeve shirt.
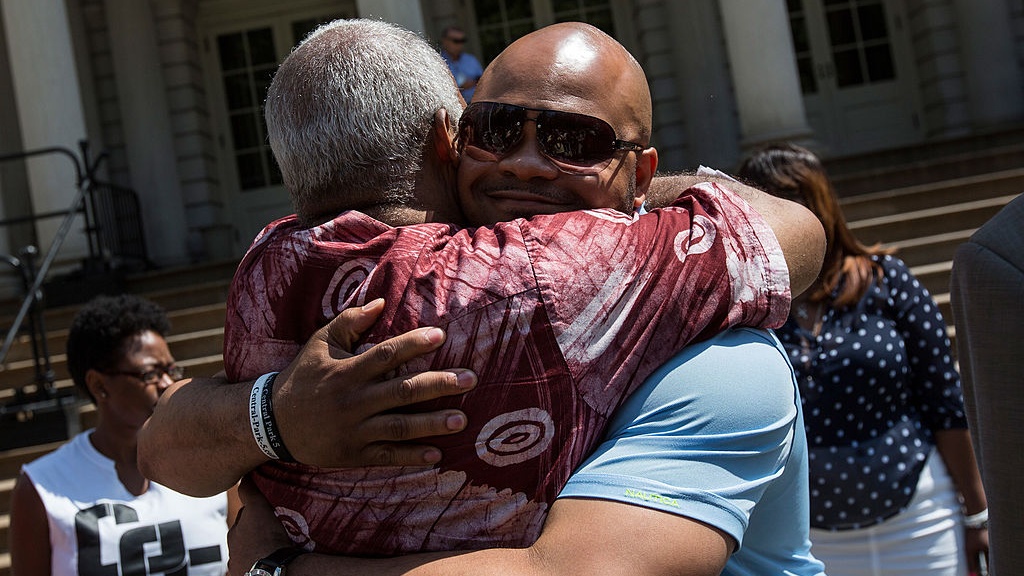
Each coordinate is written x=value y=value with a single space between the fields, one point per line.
x=716 y=435
x=876 y=382
x=560 y=316
x=465 y=68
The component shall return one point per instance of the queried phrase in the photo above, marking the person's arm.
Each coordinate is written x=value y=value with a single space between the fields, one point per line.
x=619 y=539
x=29 y=532
x=798 y=230
x=957 y=452
x=207 y=421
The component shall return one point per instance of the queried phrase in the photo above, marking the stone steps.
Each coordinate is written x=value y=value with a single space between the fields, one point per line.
x=192 y=319
x=941 y=159
x=928 y=249
x=928 y=221
x=172 y=298
x=185 y=348
x=933 y=195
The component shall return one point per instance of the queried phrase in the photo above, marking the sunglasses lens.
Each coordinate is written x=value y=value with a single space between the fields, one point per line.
x=575 y=139
x=491 y=127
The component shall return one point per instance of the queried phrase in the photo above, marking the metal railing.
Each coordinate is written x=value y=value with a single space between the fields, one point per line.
x=114 y=233
x=25 y=265
x=115 y=226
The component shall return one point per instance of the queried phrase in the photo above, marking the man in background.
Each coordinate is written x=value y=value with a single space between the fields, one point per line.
x=464 y=66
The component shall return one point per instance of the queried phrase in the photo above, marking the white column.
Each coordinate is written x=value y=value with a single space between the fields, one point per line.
x=148 y=134
x=46 y=93
x=405 y=13
x=995 y=91
x=709 y=125
x=764 y=73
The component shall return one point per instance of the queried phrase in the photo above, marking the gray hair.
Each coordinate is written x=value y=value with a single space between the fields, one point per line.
x=349 y=113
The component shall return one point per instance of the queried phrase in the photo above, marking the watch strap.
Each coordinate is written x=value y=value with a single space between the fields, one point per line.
x=275 y=563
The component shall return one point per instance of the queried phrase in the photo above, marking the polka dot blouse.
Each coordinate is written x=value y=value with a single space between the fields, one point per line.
x=876 y=381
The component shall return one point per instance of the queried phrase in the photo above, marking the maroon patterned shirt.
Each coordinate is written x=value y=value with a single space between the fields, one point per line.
x=561 y=316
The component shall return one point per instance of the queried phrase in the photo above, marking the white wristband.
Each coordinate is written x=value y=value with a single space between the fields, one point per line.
x=259 y=431
x=977 y=521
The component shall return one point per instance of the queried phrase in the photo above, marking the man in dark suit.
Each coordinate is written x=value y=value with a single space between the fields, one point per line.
x=987 y=294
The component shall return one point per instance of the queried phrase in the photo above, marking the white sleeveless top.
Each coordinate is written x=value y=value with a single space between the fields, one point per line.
x=99 y=528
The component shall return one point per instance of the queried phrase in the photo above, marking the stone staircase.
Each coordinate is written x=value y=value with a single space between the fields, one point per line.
x=924 y=201
x=925 y=223
x=927 y=200
x=194 y=299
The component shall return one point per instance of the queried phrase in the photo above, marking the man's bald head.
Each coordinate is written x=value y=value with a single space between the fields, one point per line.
x=573 y=66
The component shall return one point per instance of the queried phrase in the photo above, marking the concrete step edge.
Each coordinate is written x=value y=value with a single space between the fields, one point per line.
x=62 y=357
x=933 y=239
x=935 y=268
x=942 y=184
x=931 y=212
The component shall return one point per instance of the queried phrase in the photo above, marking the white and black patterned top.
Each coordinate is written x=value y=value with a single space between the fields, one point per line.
x=877 y=381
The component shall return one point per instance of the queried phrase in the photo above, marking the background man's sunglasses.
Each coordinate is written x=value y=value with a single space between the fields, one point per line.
x=573 y=142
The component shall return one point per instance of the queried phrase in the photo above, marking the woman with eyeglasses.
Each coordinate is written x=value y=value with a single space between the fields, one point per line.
x=86 y=508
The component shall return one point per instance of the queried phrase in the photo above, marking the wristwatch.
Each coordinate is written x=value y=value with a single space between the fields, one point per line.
x=274 y=565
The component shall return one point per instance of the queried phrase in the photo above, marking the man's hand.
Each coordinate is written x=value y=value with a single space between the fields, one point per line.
x=329 y=404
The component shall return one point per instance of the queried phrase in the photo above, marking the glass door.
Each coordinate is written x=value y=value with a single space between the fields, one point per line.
x=855 y=74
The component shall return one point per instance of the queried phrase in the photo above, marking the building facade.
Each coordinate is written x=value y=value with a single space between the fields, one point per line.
x=171 y=90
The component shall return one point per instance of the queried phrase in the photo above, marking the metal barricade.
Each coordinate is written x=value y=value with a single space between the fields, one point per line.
x=114 y=232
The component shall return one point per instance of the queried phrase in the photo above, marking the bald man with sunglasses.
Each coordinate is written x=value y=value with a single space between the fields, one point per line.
x=549 y=144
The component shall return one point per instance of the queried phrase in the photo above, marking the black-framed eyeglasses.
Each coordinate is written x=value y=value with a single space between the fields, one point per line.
x=575 y=143
x=153 y=375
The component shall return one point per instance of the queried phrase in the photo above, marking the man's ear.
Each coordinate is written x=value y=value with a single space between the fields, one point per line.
x=646 y=166
x=444 y=137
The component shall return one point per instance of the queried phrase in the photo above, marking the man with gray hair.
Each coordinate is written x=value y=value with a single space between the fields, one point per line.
x=340 y=118
x=559 y=347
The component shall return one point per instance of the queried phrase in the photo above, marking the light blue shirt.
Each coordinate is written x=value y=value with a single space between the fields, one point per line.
x=716 y=435
x=466 y=67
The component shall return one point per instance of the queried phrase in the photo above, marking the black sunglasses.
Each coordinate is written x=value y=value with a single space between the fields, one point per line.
x=575 y=143
x=152 y=376
x=457 y=40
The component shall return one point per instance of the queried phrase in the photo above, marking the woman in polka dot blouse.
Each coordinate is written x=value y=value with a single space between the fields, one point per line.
x=892 y=470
